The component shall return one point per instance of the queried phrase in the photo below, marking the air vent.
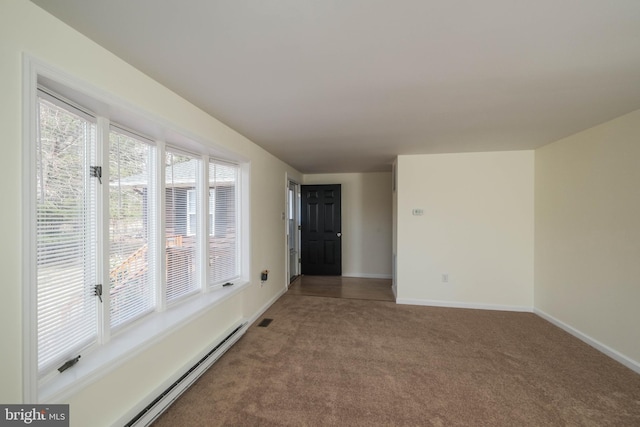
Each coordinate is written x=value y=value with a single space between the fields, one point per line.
x=265 y=322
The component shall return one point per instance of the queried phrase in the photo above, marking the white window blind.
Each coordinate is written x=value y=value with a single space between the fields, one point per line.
x=223 y=239
x=131 y=225
x=182 y=230
x=65 y=233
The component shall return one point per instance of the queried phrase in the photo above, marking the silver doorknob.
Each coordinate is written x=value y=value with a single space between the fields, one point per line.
x=339 y=234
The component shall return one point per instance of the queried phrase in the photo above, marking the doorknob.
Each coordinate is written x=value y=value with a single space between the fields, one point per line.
x=339 y=234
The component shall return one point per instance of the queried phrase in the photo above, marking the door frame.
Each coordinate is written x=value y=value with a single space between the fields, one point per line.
x=292 y=209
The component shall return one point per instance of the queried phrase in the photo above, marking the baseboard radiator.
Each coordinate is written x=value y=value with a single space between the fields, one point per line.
x=168 y=396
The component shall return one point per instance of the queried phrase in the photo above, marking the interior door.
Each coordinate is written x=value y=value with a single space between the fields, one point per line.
x=321 y=230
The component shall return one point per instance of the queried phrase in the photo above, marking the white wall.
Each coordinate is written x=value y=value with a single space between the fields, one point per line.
x=587 y=255
x=366 y=221
x=477 y=227
x=25 y=28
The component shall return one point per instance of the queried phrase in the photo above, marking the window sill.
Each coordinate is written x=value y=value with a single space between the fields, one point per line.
x=128 y=344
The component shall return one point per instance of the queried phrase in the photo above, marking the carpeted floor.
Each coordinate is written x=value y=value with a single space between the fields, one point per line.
x=345 y=362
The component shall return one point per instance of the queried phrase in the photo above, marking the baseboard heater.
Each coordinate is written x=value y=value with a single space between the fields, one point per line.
x=168 y=396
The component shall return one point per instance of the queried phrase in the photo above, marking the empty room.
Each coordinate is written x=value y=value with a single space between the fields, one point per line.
x=320 y=213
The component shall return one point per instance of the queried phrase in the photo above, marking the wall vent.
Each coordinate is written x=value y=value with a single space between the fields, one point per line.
x=265 y=322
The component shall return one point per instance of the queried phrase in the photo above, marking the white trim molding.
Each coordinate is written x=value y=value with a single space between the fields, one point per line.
x=615 y=355
x=456 y=304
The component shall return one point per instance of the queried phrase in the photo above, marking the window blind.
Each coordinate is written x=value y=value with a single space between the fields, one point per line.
x=66 y=233
x=223 y=239
x=131 y=225
x=182 y=224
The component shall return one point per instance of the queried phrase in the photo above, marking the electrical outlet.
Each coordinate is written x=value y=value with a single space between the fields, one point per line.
x=445 y=278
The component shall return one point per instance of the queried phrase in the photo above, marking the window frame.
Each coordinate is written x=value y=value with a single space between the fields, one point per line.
x=198 y=235
x=91 y=200
x=118 y=345
x=213 y=203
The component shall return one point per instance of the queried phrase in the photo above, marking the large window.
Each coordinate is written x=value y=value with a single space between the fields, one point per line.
x=126 y=228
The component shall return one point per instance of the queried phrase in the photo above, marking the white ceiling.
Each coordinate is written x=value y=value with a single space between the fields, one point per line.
x=346 y=85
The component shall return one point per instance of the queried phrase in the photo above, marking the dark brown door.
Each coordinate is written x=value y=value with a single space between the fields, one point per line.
x=321 y=230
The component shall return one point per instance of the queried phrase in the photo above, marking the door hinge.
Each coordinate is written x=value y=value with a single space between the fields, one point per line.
x=299 y=227
x=97 y=289
x=96 y=172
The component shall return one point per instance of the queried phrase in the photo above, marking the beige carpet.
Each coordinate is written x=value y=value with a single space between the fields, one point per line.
x=344 y=362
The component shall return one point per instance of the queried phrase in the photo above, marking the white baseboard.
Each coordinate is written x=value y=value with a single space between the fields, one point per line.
x=165 y=394
x=266 y=306
x=615 y=355
x=367 y=276
x=456 y=304
x=155 y=412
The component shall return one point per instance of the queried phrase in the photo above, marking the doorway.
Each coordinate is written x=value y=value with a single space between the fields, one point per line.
x=321 y=234
x=293 y=229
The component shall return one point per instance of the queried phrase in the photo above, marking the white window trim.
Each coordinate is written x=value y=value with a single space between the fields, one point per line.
x=131 y=340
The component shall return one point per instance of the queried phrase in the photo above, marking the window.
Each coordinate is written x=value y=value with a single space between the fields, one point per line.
x=223 y=239
x=181 y=224
x=66 y=233
x=125 y=229
x=131 y=225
